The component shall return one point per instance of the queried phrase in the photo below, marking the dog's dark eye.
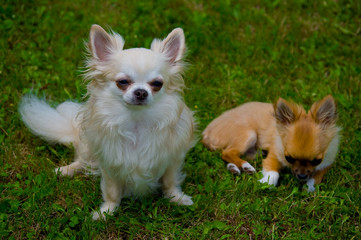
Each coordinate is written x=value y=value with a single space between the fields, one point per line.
x=122 y=83
x=316 y=161
x=290 y=159
x=156 y=85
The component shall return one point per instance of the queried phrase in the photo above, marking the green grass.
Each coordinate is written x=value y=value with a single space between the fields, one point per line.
x=239 y=52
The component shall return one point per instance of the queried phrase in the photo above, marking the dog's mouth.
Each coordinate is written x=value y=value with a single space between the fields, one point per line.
x=140 y=104
x=137 y=103
x=302 y=177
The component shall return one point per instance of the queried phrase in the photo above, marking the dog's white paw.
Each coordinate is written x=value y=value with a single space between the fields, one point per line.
x=105 y=208
x=64 y=171
x=183 y=200
x=70 y=169
x=311 y=185
x=270 y=177
x=178 y=197
x=248 y=168
x=233 y=169
x=96 y=216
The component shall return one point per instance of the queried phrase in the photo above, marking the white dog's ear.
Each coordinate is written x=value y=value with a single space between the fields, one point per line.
x=173 y=46
x=102 y=44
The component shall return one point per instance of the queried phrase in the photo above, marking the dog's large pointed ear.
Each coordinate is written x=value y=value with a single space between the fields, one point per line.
x=286 y=112
x=101 y=44
x=173 y=46
x=324 y=112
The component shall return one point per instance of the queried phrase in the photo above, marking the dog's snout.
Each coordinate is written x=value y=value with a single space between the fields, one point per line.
x=140 y=94
x=302 y=176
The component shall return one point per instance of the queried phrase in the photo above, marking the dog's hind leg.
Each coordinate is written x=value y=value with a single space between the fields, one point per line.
x=244 y=145
x=70 y=170
x=232 y=156
x=78 y=164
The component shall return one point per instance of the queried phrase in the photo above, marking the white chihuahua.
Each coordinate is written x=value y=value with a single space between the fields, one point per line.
x=134 y=128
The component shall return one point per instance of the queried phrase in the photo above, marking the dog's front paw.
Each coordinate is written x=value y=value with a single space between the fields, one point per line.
x=311 y=185
x=97 y=216
x=270 y=177
x=178 y=197
x=183 y=200
x=107 y=208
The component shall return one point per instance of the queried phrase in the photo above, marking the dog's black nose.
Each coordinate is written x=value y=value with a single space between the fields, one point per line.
x=302 y=176
x=140 y=94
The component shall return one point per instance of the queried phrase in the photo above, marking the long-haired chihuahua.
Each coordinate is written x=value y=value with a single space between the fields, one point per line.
x=134 y=128
x=305 y=142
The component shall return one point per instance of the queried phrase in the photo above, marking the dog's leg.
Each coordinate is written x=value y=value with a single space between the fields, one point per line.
x=244 y=144
x=70 y=169
x=112 y=194
x=171 y=181
x=316 y=179
x=231 y=155
x=271 y=168
x=78 y=164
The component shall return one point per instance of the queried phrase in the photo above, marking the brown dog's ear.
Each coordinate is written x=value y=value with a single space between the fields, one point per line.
x=286 y=112
x=324 y=111
x=173 y=46
x=102 y=44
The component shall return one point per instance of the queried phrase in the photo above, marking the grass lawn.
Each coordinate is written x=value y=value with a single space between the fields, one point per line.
x=239 y=51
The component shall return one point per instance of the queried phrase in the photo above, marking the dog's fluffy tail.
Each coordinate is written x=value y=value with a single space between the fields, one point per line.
x=58 y=125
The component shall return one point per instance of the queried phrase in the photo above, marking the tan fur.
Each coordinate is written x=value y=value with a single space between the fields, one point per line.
x=284 y=129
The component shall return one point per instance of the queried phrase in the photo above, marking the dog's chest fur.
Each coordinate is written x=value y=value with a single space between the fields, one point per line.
x=136 y=149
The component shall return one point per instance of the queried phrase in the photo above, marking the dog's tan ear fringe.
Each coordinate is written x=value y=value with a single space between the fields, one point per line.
x=324 y=111
x=287 y=112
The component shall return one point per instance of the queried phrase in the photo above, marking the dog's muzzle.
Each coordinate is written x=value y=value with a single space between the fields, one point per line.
x=140 y=95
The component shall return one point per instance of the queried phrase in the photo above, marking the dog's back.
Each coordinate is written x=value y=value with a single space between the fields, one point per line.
x=228 y=128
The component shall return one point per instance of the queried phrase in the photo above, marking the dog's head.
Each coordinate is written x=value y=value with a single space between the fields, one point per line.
x=136 y=76
x=306 y=137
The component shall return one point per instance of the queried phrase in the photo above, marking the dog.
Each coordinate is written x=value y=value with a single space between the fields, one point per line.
x=134 y=129
x=305 y=142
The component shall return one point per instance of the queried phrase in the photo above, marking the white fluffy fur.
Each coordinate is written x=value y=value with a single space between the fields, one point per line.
x=54 y=125
x=331 y=152
x=270 y=177
x=135 y=148
x=311 y=185
x=233 y=168
x=248 y=168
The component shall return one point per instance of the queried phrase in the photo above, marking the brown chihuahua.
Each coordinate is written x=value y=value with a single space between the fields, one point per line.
x=305 y=142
